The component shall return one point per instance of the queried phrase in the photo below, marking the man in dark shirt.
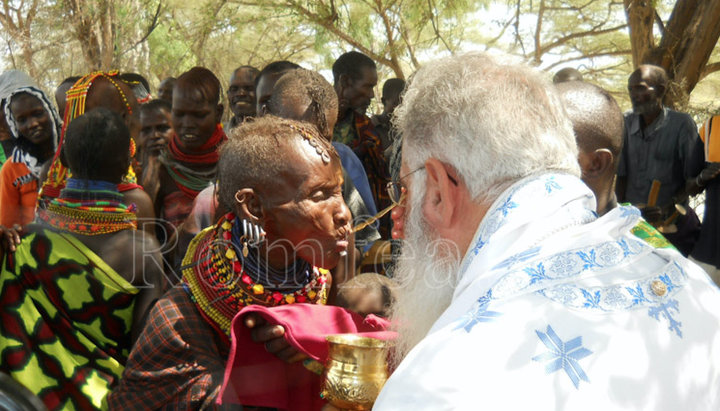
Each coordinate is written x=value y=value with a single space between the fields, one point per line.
x=660 y=144
x=355 y=77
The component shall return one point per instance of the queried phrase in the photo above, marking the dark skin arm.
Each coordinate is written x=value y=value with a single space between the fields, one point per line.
x=126 y=253
x=693 y=186
x=696 y=185
x=150 y=179
x=149 y=277
x=145 y=212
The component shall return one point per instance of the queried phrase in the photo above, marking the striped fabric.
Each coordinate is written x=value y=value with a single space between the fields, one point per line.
x=710 y=135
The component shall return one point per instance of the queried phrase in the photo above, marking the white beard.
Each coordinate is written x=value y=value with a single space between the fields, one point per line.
x=426 y=275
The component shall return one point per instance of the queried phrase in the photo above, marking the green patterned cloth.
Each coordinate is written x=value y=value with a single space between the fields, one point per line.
x=66 y=319
x=646 y=232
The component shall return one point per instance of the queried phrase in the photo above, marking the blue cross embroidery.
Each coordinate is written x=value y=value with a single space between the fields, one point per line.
x=478 y=315
x=590 y=259
x=519 y=257
x=665 y=309
x=637 y=295
x=563 y=355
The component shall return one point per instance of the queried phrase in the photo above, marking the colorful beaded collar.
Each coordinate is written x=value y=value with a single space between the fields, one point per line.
x=89 y=207
x=221 y=283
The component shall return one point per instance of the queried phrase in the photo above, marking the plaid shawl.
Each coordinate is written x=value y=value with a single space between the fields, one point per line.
x=178 y=362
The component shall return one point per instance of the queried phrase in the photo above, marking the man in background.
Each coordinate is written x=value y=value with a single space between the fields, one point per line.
x=660 y=144
x=241 y=94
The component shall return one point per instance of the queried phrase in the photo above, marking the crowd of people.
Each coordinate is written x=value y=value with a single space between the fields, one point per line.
x=518 y=232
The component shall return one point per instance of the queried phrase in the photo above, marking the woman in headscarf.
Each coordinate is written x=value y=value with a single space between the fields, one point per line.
x=9 y=81
x=35 y=125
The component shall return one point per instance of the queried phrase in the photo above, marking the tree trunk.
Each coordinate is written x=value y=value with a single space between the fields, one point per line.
x=640 y=17
x=18 y=28
x=94 y=23
x=688 y=39
x=85 y=34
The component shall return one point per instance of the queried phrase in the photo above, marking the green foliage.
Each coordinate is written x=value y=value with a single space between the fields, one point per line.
x=399 y=34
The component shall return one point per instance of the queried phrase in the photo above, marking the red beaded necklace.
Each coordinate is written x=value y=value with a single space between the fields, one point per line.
x=221 y=286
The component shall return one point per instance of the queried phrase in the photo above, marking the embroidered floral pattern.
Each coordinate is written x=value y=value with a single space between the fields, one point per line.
x=623 y=296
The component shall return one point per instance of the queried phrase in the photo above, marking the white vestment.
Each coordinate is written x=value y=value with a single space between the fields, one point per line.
x=557 y=309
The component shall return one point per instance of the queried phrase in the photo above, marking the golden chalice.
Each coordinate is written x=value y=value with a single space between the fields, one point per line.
x=355 y=372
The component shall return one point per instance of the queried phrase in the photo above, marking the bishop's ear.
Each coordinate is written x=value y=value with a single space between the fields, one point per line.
x=441 y=194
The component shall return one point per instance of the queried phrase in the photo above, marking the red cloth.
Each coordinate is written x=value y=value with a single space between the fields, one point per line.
x=123 y=187
x=255 y=377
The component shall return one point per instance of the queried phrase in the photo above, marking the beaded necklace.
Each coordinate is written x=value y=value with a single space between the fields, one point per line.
x=89 y=208
x=221 y=281
x=189 y=180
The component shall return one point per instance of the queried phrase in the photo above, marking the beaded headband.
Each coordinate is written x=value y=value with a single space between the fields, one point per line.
x=77 y=95
x=314 y=142
x=76 y=98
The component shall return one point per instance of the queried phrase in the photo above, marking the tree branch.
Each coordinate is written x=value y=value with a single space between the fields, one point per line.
x=382 y=12
x=329 y=26
x=709 y=69
x=565 y=39
x=153 y=25
x=660 y=24
x=589 y=56
x=433 y=16
x=408 y=44
x=495 y=39
x=518 y=38
x=538 y=30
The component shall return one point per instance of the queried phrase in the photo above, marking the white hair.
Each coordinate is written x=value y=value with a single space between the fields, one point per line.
x=494 y=121
x=426 y=276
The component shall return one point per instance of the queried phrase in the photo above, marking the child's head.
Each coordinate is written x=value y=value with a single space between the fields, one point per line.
x=97 y=146
x=155 y=125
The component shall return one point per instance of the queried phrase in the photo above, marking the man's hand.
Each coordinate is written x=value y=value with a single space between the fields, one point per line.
x=710 y=172
x=10 y=237
x=273 y=336
x=652 y=214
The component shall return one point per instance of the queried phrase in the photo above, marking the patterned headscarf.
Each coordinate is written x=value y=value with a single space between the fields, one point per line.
x=12 y=80
x=20 y=153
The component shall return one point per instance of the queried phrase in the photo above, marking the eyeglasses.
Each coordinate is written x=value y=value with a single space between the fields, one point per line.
x=395 y=192
x=394 y=188
x=396 y=195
